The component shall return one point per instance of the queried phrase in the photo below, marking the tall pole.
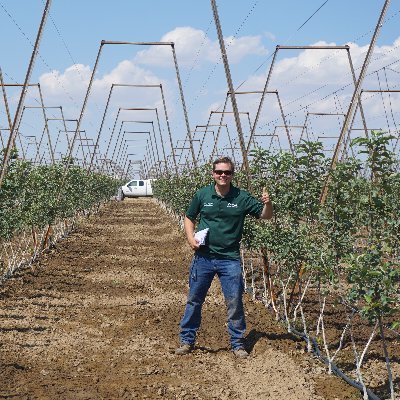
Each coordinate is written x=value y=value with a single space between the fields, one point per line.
x=253 y=129
x=23 y=93
x=89 y=88
x=178 y=77
x=355 y=98
x=169 y=133
x=230 y=85
x=5 y=101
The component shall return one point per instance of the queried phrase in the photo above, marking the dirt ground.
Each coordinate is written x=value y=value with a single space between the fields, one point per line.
x=98 y=318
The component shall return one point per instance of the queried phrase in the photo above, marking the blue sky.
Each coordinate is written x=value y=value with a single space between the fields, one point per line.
x=252 y=29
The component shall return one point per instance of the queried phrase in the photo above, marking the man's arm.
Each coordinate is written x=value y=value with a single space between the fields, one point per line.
x=267 y=210
x=189 y=230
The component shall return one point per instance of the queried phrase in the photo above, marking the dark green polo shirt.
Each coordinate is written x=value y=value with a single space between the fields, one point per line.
x=224 y=216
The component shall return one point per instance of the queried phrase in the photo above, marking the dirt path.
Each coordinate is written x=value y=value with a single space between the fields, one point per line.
x=98 y=319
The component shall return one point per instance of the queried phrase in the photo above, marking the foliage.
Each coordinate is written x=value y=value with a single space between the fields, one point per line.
x=35 y=196
x=349 y=245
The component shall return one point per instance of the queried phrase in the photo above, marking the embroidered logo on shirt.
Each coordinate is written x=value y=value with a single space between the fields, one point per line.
x=208 y=204
x=231 y=205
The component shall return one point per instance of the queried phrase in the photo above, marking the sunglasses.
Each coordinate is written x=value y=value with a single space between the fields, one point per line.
x=220 y=172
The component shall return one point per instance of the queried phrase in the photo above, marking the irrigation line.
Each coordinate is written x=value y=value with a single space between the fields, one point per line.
x=335 y=369
x=316 y=351
x=315 y=347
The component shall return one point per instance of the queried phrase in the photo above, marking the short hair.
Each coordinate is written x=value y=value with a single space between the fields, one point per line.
x=225 y=160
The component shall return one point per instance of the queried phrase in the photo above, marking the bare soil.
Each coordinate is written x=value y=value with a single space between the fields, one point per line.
x=98 y=318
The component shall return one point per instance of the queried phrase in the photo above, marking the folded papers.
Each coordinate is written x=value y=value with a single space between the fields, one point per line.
x=200 y=236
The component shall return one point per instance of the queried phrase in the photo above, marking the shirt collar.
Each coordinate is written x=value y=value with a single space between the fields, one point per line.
x=215 y=194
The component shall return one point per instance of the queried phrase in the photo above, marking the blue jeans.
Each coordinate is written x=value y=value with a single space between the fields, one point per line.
x=202 y=272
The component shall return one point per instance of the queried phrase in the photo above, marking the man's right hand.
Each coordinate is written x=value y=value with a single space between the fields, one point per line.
x=193 y=243
x=189 y=230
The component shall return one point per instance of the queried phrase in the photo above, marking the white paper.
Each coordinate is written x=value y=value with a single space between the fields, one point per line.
x=200 y=236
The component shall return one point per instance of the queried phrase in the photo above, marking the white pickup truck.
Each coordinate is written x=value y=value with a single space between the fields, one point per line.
x=137 y=188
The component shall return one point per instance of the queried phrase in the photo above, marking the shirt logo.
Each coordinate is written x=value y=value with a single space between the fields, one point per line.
x=208 y=204
x=231 y=205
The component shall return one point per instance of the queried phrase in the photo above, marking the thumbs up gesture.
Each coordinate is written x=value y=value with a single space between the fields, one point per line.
x=265 y=196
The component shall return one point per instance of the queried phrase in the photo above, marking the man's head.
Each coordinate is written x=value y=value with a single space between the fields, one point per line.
x=223 y=170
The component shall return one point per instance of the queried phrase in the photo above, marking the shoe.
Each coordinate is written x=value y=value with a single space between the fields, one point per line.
x=240 y=353
x=183 y=349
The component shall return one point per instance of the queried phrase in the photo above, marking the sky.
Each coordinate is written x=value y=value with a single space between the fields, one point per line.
x=314 y=87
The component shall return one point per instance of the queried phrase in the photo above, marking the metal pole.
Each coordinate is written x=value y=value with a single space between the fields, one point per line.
x=230 y=86
x=154 y=132
x=169 y=133
x=162 y=142
x=159 y=127
x=5 y=101
x=184 y=105
x=253 y=129
x=219 y=129
x=23 y=93
x=78 y=125
x=108 y=103
x=285 y=124
x=359 y=99
x=225 y=112
x=112 y=133
x=101 y=125
x=46 y=127
x=355 y=98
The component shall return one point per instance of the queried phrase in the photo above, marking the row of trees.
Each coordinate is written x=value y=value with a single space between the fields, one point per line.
x=36 y=198
x=344 y=250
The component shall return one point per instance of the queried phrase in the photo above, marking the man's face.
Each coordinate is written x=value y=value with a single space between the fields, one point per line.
x=223 y=174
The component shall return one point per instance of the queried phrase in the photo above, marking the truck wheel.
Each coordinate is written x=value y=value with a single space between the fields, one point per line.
x=120 y=195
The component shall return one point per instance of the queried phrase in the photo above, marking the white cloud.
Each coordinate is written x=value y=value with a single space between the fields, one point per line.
x=68 y=88
x=270 y=36
x=239 y=48
x=73 y=80
x=71 y=85
x=193 y=46
x=320 y=81
x=305 y=81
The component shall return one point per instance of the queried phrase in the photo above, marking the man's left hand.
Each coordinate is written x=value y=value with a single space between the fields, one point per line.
x=265 y=198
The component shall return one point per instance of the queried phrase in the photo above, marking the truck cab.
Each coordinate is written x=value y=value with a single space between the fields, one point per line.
x=137 y=188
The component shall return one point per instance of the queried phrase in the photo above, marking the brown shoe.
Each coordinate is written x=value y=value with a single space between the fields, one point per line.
x=183 y=349
x=240 y=353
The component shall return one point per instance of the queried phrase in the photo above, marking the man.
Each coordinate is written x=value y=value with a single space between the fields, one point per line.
x=222 y=208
